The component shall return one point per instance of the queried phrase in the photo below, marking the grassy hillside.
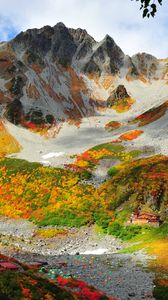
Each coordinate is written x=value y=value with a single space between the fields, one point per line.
x=140 y=183
x=52 y=196
x=45 y=195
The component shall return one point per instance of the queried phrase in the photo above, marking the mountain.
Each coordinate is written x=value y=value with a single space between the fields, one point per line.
x=100 y=156
x=54 y=74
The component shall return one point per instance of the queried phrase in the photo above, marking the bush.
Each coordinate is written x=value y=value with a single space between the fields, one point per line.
x=119 y=199
x=124 y=233
x=37 y=117
x=63 y=218
x=47 y=233
x=102 y=219
x=19 y=286
x=113 y=171
x=85 y=174
x=115 y=229
x=50 y=119
x=160 y=292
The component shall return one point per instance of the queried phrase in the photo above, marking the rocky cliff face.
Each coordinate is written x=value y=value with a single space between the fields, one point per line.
x=57 y=73
x=118 y=94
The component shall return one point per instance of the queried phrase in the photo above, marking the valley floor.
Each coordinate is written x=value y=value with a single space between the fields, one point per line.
x=72 y=140
x=124 y=276
x=25 y=236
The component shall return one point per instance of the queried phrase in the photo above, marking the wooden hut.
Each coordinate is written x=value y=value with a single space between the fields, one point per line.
x=140 y=218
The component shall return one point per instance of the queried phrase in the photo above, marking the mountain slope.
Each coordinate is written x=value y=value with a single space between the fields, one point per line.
x=55 y=74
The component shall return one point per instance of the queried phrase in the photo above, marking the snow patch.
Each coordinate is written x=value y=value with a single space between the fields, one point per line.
x=53 y=154
x=45 y=162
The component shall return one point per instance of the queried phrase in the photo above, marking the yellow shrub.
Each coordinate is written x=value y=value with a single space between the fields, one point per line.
x=50 y=232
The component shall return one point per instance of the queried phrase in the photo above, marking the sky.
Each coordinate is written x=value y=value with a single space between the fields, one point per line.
x=121 y=19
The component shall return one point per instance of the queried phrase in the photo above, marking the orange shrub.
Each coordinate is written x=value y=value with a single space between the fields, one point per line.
x=131 y=135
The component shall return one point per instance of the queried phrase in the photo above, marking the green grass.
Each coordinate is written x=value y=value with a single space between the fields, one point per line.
x=63 y=218
x=146 y=236
x=16 y=165
x=85 y=175
x=160 y=292
x=124 y=232
x=109 y=146
x=112 y=171
x=135 y=153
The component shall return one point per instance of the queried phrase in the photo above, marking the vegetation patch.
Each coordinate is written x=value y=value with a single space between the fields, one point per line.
x=131 y=135
x=50 y=196
x=151 y=115
x=120 y=100
x=8 y=144
x=112 y=171
x=113 y=125
x=160 y=292
x=47 y=233
x=124 y=232
x=88 y=160
x=123 y=105
x=47 y=196
x=28 y=283
x=138 y=185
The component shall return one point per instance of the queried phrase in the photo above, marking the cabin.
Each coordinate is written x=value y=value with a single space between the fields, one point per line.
x=140 y=218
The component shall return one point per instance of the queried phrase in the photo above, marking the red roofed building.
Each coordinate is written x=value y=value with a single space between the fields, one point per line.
x=140 y=218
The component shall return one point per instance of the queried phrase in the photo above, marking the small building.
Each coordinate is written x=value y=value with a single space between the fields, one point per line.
x=140 y=218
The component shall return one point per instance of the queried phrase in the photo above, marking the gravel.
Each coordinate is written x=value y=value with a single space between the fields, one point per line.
x=124 y=276
x=21 y=234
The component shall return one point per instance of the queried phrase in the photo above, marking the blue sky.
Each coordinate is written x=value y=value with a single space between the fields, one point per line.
x=121 y=19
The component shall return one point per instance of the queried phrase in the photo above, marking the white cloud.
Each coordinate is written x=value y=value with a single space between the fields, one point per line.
x=119 y=18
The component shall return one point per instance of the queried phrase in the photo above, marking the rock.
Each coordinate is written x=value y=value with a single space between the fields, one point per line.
x=131 y=294
x=119 y=93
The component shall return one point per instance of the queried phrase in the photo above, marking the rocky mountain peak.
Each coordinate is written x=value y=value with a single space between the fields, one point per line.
x=80 y=35
x=107 y=57
x=64 y=45
x=56 y=73
x=37 y=43
x=146 y=64
x=108 y=40
x=59 y=25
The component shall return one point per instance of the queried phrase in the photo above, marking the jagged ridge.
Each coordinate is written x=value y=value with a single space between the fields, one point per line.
x=58 y=73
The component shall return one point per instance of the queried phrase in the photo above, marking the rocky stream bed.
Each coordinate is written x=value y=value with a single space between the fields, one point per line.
x=84 y=254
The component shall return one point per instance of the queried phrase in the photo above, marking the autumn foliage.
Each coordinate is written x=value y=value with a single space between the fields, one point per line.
x=131 y=135
x=112 y=125
x=8 y=143
x=51 y=196
x=28 y=283
x=151 y=115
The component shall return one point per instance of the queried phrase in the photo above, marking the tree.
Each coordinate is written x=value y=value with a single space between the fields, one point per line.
x=149 y=7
